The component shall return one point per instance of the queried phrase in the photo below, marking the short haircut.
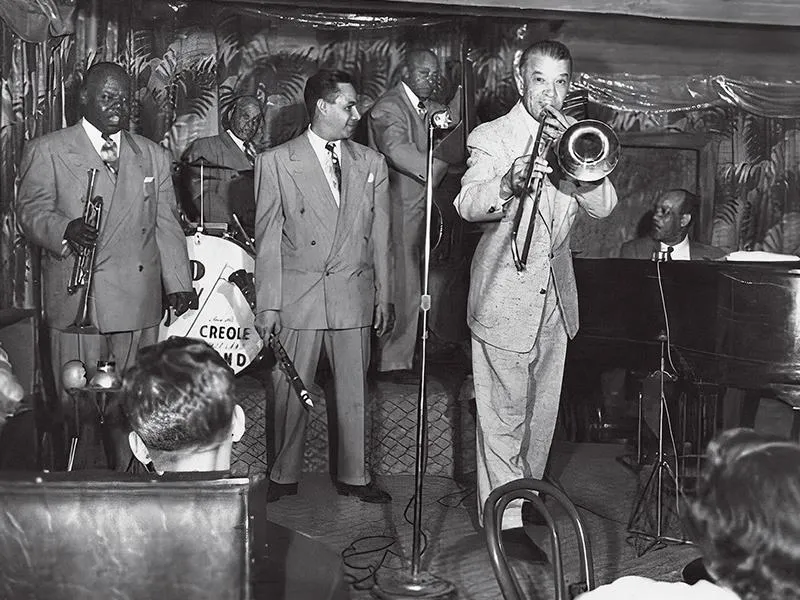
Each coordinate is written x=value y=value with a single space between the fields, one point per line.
x=179 y=396
x=101 y=70
x=323 y=84
x=238 y=104
x=746 y=517
x=690 y=204
x=550 y=48
x=414 y=55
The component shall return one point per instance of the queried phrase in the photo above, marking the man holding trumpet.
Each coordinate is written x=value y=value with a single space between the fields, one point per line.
x=139 y=244
x=522 y=313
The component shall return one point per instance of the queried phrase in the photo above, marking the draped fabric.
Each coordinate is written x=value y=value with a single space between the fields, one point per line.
x=655 y=94
x=37 y=20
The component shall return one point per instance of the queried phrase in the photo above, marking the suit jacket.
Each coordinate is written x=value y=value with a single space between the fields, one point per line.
x=505 y=306
x=323 y=267
x=140 y=245
x=397 y=131
x=220 y=150
x=644 y=247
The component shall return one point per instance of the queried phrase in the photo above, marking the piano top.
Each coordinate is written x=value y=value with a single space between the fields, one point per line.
x=732 y=323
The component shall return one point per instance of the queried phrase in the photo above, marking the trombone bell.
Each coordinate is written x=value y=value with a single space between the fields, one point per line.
x=588 y=150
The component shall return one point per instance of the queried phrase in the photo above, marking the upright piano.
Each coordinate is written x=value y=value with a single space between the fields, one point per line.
x=724 y=323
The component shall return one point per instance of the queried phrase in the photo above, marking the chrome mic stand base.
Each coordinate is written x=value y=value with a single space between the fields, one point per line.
x=400 y=585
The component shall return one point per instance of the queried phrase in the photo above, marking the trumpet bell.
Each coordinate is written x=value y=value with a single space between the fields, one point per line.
x=588 y=150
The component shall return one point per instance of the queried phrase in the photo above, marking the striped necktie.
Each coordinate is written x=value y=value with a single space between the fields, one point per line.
x=109 y=154
x=337 y=168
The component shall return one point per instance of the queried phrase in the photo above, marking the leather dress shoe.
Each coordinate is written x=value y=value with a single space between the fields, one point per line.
x=276 y=491
x=366 y=493
x=517 y=544
x=531 y=516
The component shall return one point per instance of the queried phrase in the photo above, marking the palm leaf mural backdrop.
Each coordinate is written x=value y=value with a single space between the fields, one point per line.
x=189 y=64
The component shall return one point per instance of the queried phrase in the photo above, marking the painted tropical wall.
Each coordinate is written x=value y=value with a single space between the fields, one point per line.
x=189 y=61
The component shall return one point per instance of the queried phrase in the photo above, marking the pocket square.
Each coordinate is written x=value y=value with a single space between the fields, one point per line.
x=371 y=178
x=149 y=187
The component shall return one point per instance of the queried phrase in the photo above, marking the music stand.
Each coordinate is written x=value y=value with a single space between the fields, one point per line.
x=662 y=465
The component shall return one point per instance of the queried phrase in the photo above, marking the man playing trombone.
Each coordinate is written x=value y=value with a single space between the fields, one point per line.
x=523 y=305
x=138 y=241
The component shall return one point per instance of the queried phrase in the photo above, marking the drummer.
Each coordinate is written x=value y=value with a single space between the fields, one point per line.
x=228 y=159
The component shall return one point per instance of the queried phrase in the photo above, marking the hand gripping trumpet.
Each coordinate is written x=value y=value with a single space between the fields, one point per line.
x=83 y=267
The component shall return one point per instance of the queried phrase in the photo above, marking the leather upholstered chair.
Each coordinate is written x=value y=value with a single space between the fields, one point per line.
x=526 y=489
x=98 y=536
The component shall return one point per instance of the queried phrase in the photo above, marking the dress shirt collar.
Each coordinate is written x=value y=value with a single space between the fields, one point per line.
x=318 y=144
x=680 y=251
x=96 y=137
x=411 y=95
x=236 y=140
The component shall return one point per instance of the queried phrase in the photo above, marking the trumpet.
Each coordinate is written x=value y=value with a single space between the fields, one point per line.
x=83 y=268
x=587 y=151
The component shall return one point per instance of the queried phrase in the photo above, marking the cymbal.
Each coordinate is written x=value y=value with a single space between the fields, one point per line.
x=203 y=162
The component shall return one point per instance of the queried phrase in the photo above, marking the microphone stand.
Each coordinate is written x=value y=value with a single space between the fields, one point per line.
x=400 y=585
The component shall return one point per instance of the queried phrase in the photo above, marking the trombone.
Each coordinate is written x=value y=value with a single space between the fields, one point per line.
x=587 y=151
x=83 y=268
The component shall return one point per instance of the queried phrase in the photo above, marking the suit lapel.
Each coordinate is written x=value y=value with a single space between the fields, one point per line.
x=354 y=178
x=309 y=177
x=242 y=161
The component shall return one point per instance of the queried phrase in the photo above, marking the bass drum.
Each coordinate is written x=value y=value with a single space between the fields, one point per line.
x=224 y=318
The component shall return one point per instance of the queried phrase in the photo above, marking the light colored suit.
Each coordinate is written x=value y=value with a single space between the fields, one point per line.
x=400 y=133
x=520 y=321
x=643 y=248
x=220 y=150
x=140 y=246
x=140 y=243
x=325 y=268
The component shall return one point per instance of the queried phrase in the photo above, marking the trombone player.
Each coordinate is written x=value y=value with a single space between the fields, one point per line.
x=139 y=245
x=521 y=319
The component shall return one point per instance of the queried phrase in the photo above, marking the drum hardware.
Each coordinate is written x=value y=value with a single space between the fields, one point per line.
x=587 y=151
x=83 y=267
x=243 y=233
x=245 y=282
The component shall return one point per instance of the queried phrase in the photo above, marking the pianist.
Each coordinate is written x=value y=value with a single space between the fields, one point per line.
x=746 y=521
x=673 y=214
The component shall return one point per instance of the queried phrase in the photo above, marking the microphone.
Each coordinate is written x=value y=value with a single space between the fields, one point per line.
x=441 y=119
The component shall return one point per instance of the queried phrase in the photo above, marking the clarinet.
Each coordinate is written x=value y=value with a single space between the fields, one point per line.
x=245 y=282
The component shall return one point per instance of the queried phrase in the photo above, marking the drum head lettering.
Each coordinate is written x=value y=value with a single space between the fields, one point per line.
x=223 y=319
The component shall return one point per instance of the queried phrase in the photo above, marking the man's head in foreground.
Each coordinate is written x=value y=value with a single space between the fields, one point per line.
x=180 y=403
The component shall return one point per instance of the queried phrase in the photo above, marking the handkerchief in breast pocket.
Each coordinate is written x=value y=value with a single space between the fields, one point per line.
x=149 y=187
x=371 y=178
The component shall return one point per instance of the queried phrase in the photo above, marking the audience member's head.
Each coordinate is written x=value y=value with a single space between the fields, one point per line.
x=673 y=214
x=180 y=403
x=746 y=517
x=330 y=99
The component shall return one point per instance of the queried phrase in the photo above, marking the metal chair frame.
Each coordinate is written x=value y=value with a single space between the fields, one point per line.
x=526 y=489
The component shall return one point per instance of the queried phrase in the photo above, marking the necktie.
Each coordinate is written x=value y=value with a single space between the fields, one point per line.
x=109 y=154
x=337 y=168
x=421 y=108
x=250 y=151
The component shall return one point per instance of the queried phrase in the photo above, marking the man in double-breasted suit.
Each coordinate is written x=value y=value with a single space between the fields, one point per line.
x=520 y=320
x=225 y=156
x=323 y=274
x=140 y=246
x=398 y=129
